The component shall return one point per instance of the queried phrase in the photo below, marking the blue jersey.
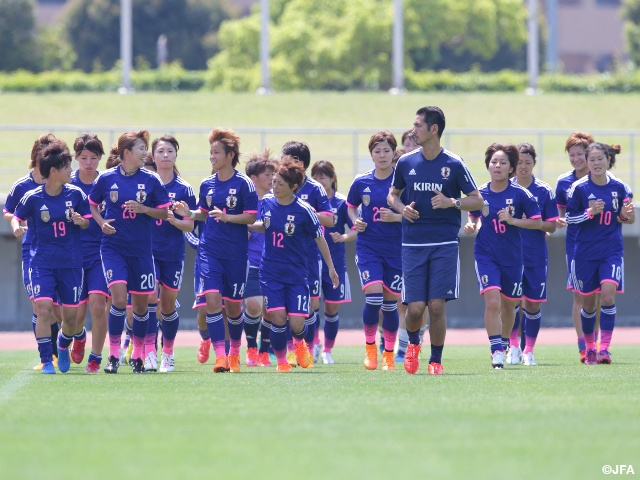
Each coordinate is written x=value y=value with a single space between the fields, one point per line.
x=446 y=173
x=91 y=236
x=57 y=242
x=16 y=193
x=168 y=241
x=371 y=193
x=133 y=231
x=498 y=241
x=339 y=209
x=256 y=242
x=534 y=242
x=312 y=192
x=288 y=231
x=563 y=186
x=234 y=197
x=601 y=235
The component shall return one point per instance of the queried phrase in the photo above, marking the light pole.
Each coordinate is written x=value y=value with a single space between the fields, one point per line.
x=264 y=48
x=532 y=47
x=126 y=49
x=398 y=49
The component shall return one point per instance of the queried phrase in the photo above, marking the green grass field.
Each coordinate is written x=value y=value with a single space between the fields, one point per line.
x=560 y=420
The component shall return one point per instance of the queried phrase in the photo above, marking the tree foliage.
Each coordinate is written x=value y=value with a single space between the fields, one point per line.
x=631 y=16
x=17 y=32
x=93 y=29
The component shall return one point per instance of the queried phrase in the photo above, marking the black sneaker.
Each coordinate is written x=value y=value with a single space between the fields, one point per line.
x=112 y=365
x=138 y=365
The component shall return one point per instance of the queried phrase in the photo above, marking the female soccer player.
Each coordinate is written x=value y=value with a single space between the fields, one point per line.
x=325 y=174
x=498 y=248
x=534 y=256
x=575 y=146
x=132 y=195
x=597 y=204
x=168 y=254
x=289 y=223
x=228 y=202
x=88 y=150
x=378 y=249
x=56 y=212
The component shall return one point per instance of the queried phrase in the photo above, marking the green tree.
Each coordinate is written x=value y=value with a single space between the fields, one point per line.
x=17 y=33
x=631 y=16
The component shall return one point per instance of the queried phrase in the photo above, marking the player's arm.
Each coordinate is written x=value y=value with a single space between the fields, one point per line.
x=408 y=212
x=246 y=218
x=358 y=223
x=182 y=209
x=473 y=224
x=326 y=255
x=159 y=212
x=627 y=213
x=257 y=227
x=388 y=215
x=338 y=237
x=185 y=225
x=549 y=226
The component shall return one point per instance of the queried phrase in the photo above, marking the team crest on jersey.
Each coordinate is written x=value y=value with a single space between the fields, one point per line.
x=209 y=197
x=366 y=199
x=614 y=201
x=289 y=227
x=511 y=210
x=232 y=200
x=103 y=206
x=445 y=171
x=266 y=302
x=29 y=289
x=113 y=196
x=266 y=221
x=485 y=209
x=36 y=290
x=44 y=214
x=335 y=216
x=141 y=195
x=304 y=197
x=366 y=276
x=109 y=275
x=484 y=279
x=69 y=211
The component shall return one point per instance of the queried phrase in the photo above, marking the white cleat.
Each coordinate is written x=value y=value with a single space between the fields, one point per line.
x=528 y=360
x=167 y=363
x=327 y=358
x=514 y=355
x=151 y=362
x=123 y=356
x=497 y=359
x=317 y=348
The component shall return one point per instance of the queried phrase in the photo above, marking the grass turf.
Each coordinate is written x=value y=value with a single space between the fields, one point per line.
x=559 y=420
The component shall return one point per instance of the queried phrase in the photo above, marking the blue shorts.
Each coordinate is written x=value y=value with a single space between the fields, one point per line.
x=94 y=281
x=228 y=277
x=26 y=260
x=66 y=282
x=252 y=288
x=589 y=275
x=507 y=279
x=342 y=294
x=377 y=268
x=570 y=252
x=534 y=284
x=314 y=277
x=198 y=286
x=137 y=272
x=169 y=273
x=294 y=299
x=430 y=272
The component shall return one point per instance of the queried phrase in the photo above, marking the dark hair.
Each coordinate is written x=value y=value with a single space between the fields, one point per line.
x=164 y=138
x=597 y=146
x=148 y=162
x=55 y=155
x=578 y=138
x=41 y=142
x=88 y=141
x=229 y=140
x=408 y=133
x=433 y=116
x=382 y=136
x=299 y=150
x=127 y=140
x=511 y=151
x=114 y=158
x=291 y=172
x=612 y=151
x=323 y=167
x=527 y=149
x=396 y=156
x=260 y=162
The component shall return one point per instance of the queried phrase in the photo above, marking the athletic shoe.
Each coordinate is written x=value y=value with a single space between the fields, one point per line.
x=411 y=361
x=151 y=362
x=303 y=356
x=327 y=358
x=291 y=359
x=497 y=359
x=127 y=355
x=435 y=368
x=283 y=368
x=222 y=364
x=54 y=359
x=371 y=356
x=234 y=363
x=387 y=361
x=583 y=355
x=48 y=368
x=64 y=361
x=138 y=366
x=514 y=355
x=167 y=363
x=604 y=357
x=527 y=359
x=92 y=367
x=317 y=349
x=591 y=358
x=400 y=356
x=122 y=353
x=112 y=365
x=77 y=350
x=203 y=351
x=252 y=357
x=264 y=360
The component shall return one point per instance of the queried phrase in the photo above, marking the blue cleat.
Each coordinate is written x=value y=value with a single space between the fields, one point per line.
x=400 y=356
x=48 y=368
x=64 y=360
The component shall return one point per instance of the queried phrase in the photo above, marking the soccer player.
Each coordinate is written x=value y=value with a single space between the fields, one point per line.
x=228 y=203
x=597 y=204
x=409 y=143
x=56 y=212
x=168 y=255
x=378 y=249
x=507 y=208
x=575 y=146
x=289 y=224
x=534 y=256
x=133 y=196
x=95 y=293
x=325 y=174
x=434 y=179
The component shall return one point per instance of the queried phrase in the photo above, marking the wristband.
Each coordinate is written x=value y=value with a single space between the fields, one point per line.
x=192 y=215
x=624 y=219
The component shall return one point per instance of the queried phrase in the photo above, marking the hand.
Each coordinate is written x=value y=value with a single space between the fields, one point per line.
x=171 y=218
x=20 y=231
x=628 y=212
x=360 y=225
x=505 y=217
x=335 y=279
x=595 y=207
x=218 y=215
x=561 y=222
x=440 y=201
x=387 y=215
x=469 y=228
x=77 y=218
x=134 y=207
x=409 y=213
x=181 y=208
x=336 y=237
x=108 y=229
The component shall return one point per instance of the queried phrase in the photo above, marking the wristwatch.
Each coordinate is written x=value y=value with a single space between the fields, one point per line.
x=457 y=203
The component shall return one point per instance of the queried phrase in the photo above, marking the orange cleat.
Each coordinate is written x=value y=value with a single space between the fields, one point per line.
x=435 y=369
x=388 y=361
x=222 y=364
x=303 y=356
x=371 y=357
x=583 y=356
x=203 y=351
x=252 y=357
x=234 y=363
x=263 y=359
x=283 y=368
x=411 y=362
